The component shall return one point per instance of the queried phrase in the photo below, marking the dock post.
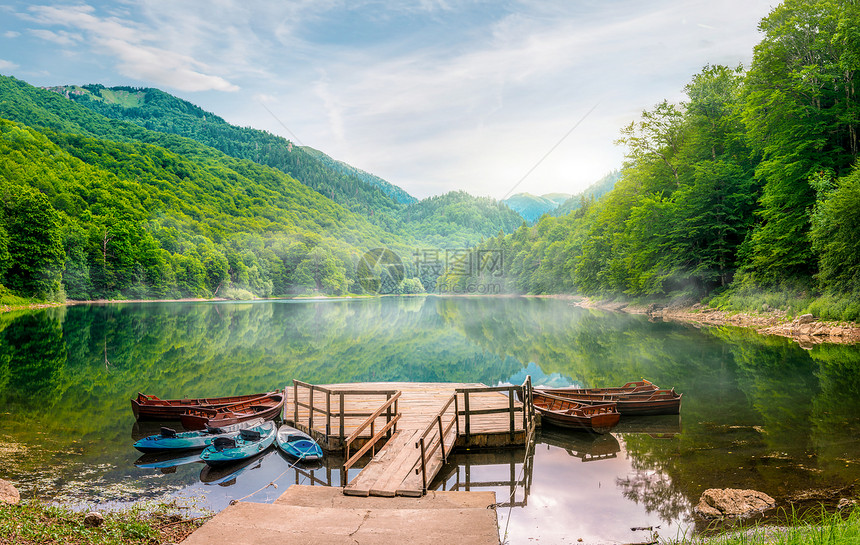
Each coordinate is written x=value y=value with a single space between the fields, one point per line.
x=295 y=402
x=327 y=413
x=342 y=409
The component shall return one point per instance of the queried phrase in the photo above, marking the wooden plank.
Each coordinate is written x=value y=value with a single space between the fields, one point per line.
x=398 y=469
x=364 y=481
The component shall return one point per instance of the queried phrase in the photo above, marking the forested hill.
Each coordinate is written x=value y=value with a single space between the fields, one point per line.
x=457 y=220
x=749 y=184
x=468 y=221
x=106 y=208
x=159 y=111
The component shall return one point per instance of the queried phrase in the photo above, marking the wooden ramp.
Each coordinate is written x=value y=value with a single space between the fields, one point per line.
x=431 y=419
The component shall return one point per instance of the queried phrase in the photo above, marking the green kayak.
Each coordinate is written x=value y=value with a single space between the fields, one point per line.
x=249 y=442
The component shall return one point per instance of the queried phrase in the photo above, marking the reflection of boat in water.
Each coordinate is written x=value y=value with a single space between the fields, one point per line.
x=667 y=425
x=587 y=447
x=165 y=460
x=226 y=475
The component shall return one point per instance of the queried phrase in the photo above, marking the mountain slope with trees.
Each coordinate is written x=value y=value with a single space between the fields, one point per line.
x=104 y=209
x=750 y=185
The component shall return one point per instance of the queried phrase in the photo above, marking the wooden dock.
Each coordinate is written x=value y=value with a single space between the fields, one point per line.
x=414 y=426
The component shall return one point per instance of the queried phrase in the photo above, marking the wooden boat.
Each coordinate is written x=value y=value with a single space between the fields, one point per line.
x=297 y=444
x=249 y=443
x=640 y=403
x=150 y=407
x=640 y=387
x=266 y=407
x=172 y=440
x=566 y=413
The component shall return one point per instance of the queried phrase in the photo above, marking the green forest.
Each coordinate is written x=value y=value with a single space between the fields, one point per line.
x=100 y=208
x=744 y=195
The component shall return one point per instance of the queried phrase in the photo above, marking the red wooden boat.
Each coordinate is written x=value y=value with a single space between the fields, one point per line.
x=636 y=404
x=266 y=407
x=570 y=414
x=150 y=407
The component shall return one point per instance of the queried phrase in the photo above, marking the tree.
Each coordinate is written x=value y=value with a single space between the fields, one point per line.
x=799 y=121
x=35 y=247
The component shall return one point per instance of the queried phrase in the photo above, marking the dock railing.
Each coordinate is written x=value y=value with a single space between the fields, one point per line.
x=433 y=437
x=523 y=392
x=331 y=404
x=375 y=436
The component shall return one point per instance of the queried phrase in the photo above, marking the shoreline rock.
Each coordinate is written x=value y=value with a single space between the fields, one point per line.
x=733 y=502
x=8 y=493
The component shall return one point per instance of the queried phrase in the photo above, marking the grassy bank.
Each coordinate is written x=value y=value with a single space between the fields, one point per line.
x=821 y=528
x=793 y=300
x=34 y=522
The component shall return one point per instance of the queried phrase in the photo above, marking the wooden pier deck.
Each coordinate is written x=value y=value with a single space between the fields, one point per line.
x=420 y=424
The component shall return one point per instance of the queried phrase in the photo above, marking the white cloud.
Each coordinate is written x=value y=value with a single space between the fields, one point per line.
x=130 y=44
x=11 y=34
x=62 y=37
x=7 y=65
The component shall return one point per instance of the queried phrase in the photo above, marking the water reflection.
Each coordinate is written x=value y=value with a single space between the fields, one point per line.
x=759 y=412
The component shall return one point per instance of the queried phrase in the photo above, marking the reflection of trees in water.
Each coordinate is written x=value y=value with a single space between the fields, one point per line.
x=655 y=491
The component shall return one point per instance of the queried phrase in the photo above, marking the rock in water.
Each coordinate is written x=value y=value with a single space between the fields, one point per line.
x=93 y=520
x=732 y=502
x=8 y=493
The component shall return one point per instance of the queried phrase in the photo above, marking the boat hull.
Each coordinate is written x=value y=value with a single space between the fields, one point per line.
x=266 y=408
x=657 y=402
x=569 y=414
x=190 y=440
x=298 y=445
x=243 y=448
x=150 y=407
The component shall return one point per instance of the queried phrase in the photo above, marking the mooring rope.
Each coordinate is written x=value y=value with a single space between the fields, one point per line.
x=272 y=483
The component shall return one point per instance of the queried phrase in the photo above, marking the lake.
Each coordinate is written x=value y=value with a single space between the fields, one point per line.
x=758 y=412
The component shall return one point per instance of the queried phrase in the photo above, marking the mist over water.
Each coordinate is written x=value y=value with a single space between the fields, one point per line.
x=758 y=412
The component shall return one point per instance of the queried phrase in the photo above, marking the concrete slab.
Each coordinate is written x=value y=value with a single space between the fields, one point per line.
x=446 y=517
x=326 y=496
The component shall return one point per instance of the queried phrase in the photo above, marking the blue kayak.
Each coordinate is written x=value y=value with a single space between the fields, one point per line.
x=249 y=442
x=297 y=444
x=170 y=439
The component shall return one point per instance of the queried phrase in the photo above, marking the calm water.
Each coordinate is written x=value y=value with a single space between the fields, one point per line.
x=758 y=412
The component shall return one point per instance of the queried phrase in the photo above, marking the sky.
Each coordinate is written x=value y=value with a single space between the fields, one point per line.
x=492 y=97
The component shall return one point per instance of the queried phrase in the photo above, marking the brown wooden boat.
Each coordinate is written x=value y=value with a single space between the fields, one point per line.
x=634 y=404
x=639 y=387
x=566 y=413
x=150 y=407
x=266 y=407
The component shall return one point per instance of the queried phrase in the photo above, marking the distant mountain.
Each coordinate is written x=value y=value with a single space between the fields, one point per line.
x=457 y=220
x=531 y=207
x=156 y=110
x=596 y=190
